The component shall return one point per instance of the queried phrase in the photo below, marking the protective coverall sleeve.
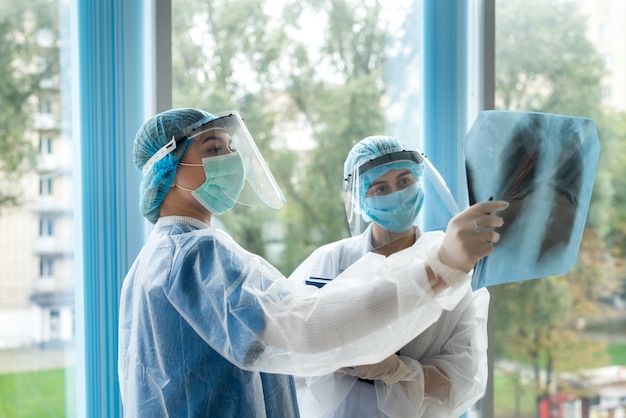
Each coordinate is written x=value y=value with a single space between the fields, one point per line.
x=366 y=314
x=258 y=320
x=444 y=372
x=447 y=383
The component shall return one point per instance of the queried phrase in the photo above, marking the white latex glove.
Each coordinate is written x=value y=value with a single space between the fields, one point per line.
x=391 y=370
x=470 y=235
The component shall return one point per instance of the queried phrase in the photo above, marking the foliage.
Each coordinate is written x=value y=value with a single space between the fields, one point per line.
x=512 y=398
x=617 y=352
x=594 y=277
x=610 y=217
x=256 y=60
x=224 y=56
x=535 y=332
x=24 y=63
x=342 y=105
x=240 y=57
x=542 y=69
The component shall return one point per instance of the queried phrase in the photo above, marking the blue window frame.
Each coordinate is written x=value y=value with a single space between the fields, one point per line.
x=114 y=100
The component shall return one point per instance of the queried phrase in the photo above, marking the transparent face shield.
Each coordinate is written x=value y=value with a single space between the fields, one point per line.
x=236 y=171
x=406 y=187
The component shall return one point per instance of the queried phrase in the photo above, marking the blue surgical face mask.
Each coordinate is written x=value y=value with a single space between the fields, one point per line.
x=225 y=177
x=396 y=212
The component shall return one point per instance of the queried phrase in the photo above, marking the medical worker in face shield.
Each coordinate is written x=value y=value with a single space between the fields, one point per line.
x=442 y=372
x=208 y=329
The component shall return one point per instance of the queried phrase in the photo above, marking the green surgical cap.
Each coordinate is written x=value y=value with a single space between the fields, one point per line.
x=151 y=137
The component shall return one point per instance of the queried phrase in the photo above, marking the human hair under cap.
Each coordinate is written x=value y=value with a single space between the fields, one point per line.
x=152 y=136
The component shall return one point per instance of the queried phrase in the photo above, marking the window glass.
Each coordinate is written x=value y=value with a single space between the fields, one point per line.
x=46 y=267
x=45 y=145
x=37 y=280
x=310 y=79
x=46 y=226
x=46 y=185
x=560 y=341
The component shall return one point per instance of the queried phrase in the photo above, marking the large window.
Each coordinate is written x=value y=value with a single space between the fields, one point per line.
x=310 y=82
x=310 y=78
x=37 y=280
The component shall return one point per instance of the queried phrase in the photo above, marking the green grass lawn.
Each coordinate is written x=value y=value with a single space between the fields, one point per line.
x=42 y=393
x=617 y=353
x=33 y=394
x=507 y=394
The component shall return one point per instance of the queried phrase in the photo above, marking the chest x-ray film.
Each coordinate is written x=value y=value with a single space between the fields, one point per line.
x=544 y=165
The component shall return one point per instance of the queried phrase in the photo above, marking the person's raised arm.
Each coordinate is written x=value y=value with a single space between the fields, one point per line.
x=469 y=237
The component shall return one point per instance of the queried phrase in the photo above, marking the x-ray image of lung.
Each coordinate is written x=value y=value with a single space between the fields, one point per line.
x=544 y=165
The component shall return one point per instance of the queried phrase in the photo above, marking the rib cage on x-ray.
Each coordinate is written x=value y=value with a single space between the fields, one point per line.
x=543 y=165
x=527 y=168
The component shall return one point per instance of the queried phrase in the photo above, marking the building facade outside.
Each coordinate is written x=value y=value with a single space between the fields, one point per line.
x=607 y=32
x=37 y=242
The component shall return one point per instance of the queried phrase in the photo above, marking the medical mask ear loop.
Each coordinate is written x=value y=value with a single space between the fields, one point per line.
x=187 y=165
x=184 y=188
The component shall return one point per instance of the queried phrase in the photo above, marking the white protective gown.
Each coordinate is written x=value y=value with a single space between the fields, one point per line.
x=456 y=343
x=202 y=321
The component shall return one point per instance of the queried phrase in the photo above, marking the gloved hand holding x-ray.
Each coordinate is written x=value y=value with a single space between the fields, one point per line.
x=543 y=165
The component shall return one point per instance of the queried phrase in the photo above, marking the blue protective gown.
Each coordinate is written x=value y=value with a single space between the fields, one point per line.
x=173 y=345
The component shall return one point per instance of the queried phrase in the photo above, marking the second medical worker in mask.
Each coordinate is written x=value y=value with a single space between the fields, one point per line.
x=443 y=371
x=209 y=329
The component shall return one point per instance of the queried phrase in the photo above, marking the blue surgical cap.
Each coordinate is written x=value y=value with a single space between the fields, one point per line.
x=151 y=137
x=368 y=149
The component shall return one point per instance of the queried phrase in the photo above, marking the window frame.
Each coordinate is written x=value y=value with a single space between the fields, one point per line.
x=117 y=89
x=109 y=101
x=459 y=81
